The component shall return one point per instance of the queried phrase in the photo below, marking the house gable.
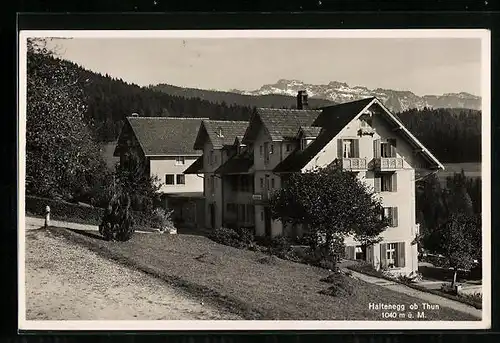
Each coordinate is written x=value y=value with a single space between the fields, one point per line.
x=335 y=120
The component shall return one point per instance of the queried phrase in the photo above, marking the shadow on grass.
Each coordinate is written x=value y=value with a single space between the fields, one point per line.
x=88 y=234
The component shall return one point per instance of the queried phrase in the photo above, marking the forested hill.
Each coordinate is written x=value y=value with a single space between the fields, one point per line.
x=110 y=100
x=453 y=135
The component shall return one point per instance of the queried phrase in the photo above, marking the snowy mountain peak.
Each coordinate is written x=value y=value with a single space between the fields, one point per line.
x=341 y=92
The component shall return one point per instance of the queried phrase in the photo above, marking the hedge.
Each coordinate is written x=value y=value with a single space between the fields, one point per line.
x=61 y=210
x=378 y=274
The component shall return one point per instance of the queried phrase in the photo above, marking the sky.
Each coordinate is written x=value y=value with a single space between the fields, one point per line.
x=421 y=65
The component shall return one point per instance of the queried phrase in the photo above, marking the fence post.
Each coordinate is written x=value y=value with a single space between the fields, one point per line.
x=47 y=216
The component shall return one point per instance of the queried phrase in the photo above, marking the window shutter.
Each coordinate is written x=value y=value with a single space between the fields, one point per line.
x=400 y=254
x=383 y=255
x=376 y=148
x=340 y=148
x=356 y=148
x=377 y=183
x=392 y=142
x=395 y=182
x=394 y=216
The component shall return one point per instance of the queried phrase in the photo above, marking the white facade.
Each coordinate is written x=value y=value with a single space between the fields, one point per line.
x=169 y=170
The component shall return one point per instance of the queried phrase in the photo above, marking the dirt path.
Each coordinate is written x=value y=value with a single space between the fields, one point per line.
x=68 y=282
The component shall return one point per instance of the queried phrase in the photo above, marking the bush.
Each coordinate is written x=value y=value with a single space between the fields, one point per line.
x=340 y=285
x=246 y=235
x=117 y=222
x=226 y=236
x=162 y=219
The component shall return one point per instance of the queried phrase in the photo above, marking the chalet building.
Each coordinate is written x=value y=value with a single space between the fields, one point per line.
x=225 y=163
x=363 y=136
x=164 y=145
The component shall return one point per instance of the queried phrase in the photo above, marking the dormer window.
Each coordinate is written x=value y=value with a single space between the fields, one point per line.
x=180 y=161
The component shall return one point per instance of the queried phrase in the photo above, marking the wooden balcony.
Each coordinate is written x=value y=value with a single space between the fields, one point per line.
x=388 y=163
x=354 y=164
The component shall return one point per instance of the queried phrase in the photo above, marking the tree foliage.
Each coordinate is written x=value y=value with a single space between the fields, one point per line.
x=453 y=135
x=459 y=240
x=437 y=204
x=62 y=158
x=330 y=203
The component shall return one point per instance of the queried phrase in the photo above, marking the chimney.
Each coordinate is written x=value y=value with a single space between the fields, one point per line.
x=302 y=100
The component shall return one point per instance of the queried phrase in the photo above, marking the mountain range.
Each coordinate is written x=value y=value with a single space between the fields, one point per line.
x=395 y=100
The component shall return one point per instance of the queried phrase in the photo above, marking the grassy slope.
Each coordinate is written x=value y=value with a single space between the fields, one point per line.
x=239 y=280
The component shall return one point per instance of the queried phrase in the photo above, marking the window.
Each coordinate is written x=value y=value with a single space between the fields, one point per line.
x=266 y=152
x=241 y=213
x=169 y=179
x=288 y=147
x=303 y=143
x=348 y=148
x=388 y=149
x=271 y=151
x=262 y=215
x=260 y=149
x=272 y=183
x=261 y=183
x=391 y=213
x=181 y=179
x=387 y=182
x=391 y=254
x=180 y=161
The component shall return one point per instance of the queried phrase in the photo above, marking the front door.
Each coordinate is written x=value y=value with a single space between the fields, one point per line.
x=267 y=221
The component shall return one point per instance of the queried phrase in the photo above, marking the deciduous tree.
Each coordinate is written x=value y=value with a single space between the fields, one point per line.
x=331 y=203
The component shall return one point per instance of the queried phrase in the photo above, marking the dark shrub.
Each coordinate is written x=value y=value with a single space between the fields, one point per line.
x=246 y=235
x=117 y=222
x=226 y=236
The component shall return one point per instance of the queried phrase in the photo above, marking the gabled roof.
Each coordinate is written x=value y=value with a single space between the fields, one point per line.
x=212 y=129
x=237 y=164
x=333 y=119
x=309 y=131
x=196 y=167
x=165 y=136
x=280 y=123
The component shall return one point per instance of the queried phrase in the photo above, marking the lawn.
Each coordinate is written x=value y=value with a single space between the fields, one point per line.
x=250 y=284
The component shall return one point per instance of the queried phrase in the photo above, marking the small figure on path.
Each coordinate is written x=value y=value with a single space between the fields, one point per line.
x=47 y=216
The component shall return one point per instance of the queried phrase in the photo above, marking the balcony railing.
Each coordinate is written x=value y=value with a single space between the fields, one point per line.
x=388 y=163
x=354 y=163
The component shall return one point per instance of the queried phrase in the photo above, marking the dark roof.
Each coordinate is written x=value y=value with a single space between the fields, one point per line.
x=165 y=135
x=239 y=163
x=284 y=123
x=310 y=131
x=333 y=119
x=196 y=167
x=230 y=131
